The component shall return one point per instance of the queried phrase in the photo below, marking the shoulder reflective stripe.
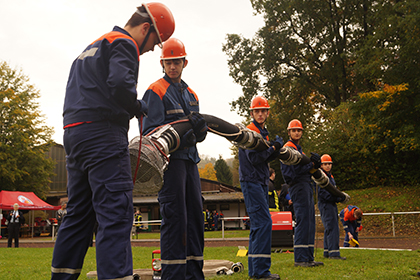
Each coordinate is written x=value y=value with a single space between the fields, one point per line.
x=301 y=246
x=290 y=144
x=90 y=52
x=195 y=258
x=345 y=226
x=174 y=111
x=66 y=270
x=259 y=255
x=193 y=92
x=174 y=261
x=159 y=87
x=253 y=127
x=114 y=35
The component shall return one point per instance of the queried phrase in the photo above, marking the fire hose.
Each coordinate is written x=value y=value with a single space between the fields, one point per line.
x=159 y=143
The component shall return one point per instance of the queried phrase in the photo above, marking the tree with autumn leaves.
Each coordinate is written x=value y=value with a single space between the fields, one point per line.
x=349 y=70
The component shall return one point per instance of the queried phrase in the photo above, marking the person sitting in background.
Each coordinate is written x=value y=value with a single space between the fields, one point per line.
x=351 y=218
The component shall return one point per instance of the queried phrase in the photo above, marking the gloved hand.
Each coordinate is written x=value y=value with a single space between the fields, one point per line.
x=278 y=142
x=316 y=160
x=346 y=199
x=141 y=109
x=188 y=139
x=199 y=125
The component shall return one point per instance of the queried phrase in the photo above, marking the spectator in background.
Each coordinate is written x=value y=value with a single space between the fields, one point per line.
x=61 y=213
x=273 y=197
x=286 y=203
x=15 y=220
x=351 y=218
x=215 y=220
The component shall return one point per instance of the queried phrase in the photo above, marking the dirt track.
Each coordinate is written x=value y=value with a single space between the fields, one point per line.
x=380 y=242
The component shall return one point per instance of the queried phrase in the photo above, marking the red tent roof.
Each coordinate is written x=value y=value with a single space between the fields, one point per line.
x=26 y=201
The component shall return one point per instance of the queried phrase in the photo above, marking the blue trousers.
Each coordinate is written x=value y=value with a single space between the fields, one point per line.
x=182 y=230
x=352 y=229
x=329 y=217
x=99 y=188
x=259 y=253
x=303 y=203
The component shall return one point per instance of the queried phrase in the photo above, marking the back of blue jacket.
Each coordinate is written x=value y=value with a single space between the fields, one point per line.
x=102 y=81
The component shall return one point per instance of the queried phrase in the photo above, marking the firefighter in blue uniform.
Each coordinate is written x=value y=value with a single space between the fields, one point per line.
x=301 y=193
x=327 y=204
x=182 y=231
x=254 y=178
x=351 y=218
x=100 y=100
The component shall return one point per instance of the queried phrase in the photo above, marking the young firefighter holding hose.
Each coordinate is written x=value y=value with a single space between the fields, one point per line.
x=254 y=178
x=327 y=204
x=182 y=231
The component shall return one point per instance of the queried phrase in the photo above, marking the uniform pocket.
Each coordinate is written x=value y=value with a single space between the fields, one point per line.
x=167 y=206
x=119 y=186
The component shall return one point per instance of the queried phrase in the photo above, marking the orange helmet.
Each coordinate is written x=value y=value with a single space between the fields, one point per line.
x=259 y=102
x=162 y=19
x=295 y=124
x=326 y=159
x=173 y=49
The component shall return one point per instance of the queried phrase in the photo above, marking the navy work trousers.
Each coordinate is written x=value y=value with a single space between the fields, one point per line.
x=99 y=188
x=303 y=203
x=259 y=253
x=182 y=230
x=329 y=217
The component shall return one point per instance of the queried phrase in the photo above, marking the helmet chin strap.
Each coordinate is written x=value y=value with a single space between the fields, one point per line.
x=145 y=39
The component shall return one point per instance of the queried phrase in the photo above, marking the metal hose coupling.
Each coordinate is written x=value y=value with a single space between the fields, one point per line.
x=289 y=156
x=321 y=179
x=249 y=138
x=237 y=267
x=167 y=138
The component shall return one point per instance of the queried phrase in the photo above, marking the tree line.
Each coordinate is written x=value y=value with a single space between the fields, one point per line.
x=349 y=70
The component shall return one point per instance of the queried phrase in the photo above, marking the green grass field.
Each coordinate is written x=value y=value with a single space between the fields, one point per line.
x=34 y=263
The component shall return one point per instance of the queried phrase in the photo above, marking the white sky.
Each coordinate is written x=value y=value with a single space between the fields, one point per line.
x=43 y=38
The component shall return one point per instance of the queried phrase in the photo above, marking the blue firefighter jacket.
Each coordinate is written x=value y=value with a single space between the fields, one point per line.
x=102 y=81
x=253 y=165
x=168 y=102
x=294 y=173
x=325 y=196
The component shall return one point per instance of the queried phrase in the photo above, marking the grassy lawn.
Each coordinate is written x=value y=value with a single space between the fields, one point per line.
x=34 y=263
x=207 y=234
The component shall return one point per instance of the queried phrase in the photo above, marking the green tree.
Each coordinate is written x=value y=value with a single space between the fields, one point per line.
x=223 y=172
x=312 y=55
x=24 y=139
x=374 y=141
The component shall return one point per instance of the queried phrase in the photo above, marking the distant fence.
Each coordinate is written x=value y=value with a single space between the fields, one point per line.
x=239 y=219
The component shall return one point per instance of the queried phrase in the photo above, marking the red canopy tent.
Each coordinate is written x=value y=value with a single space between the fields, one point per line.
x=26 y=201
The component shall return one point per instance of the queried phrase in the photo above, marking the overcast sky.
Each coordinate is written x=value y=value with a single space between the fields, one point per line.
x=43 y=38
